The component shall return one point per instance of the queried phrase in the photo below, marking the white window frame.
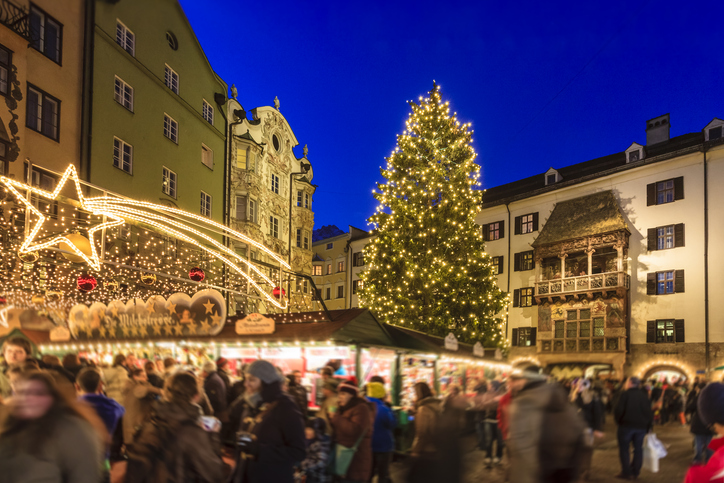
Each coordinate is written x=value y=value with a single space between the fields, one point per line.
x=205 y=149
x=299 y=238
x=119 y=161
x=274 y=183
x=170 y=182
x=171 y=79
x=207 y=111
x=526 y=224
x=317 y=270
x=273 y=226
x=305 y=241
x=125 y=38
x=300 y=197
x=205 y=207
x=252 y=211
x=40 y=124
x=306 y=200
x=170 y=128
x=123 y=93
x=41 y=45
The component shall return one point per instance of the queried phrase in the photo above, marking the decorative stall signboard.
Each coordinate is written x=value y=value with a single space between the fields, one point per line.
x=451 y=342
x=478 y=350
x=254 y=324
x=180 y=316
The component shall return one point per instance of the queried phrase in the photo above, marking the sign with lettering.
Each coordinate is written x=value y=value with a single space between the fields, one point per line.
x=254 y=324
x=281 y=353
x=180 y=316
x=498 y=354
x=451 y=342
x=478 y=350
x=59 y=334
x=334 y=352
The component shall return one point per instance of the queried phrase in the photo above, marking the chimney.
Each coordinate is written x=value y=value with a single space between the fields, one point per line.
x=657 y=130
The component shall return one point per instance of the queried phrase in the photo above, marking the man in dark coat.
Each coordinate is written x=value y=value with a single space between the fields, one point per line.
x=298 y=392
x=215 y=390
x=634 y=418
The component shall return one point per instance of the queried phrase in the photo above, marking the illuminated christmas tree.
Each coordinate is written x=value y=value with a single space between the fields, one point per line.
x=427 y=268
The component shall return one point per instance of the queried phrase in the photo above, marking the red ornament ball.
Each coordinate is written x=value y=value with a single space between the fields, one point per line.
x=279 y=291
x=3 y=301
x=196 y=274
x=86 y=283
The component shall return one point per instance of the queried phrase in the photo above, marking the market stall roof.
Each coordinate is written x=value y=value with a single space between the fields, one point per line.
x=419 y=341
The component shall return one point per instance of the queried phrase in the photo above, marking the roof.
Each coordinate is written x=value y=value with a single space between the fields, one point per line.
x=317 y=258
x=591 y=169
x=325 y=232
x=421 y=342
x=581 y=217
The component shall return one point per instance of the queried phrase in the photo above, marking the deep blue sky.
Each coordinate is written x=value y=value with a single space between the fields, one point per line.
x=543 y=83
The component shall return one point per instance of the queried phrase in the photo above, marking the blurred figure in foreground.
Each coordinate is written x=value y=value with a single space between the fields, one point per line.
x=591 y=409
x=634 y=418
x=383 y=441
x=424 y=451
x=711 y=410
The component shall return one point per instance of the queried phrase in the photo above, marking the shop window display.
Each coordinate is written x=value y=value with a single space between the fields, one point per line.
x=415 y=369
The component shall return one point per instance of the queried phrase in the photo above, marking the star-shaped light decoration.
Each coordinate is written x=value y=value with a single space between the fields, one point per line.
x=29 y=244
x=216 y=318
x=209 y=306
x=192 y=328
x=157 y=329
x=205 y=326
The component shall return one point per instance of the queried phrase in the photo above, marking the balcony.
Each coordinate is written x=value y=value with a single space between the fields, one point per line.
x=15 y=18
x=585 y=283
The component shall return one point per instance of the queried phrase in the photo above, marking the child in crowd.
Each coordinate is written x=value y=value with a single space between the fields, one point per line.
x=314 y=467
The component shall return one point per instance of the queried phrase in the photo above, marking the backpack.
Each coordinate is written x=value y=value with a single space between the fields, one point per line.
x=562 y=439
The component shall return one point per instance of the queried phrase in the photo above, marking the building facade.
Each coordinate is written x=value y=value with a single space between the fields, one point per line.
x=608 y=262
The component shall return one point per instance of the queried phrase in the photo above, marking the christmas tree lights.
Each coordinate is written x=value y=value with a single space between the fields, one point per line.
x=427 y=268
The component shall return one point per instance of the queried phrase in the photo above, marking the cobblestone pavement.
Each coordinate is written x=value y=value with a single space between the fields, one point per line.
x=605 y=459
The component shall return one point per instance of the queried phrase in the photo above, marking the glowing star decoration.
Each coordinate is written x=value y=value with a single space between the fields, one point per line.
x=30 y=246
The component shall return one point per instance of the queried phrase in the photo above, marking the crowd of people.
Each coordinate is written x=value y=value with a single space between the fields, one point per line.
x=69 y=421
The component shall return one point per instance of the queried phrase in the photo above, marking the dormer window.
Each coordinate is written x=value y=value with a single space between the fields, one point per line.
x=714 y=130
x=634 y=153
x=552 y=177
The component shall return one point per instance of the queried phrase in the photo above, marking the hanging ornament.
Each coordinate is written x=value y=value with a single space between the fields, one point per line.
x=81 y=243
x=53 y=295
x=86 y=283
x=110 y=285
x=37 y=299
x=148 y=278
x=3 y=301
x=279 y=291
x=29 y=257
x=196 y=274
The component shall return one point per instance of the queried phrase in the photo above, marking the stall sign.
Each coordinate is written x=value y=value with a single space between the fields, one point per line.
x=59 y=334
x=281 y=353
x=498 y=354
x=180 y=316
x=254 y=324
x=478 y=350
x=239 y=352
x=451 y=342
x=337 y=352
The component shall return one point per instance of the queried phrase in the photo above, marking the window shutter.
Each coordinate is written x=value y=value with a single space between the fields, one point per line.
x=533 y=336
x=679 y=188
x=535 y=221
x=679 y=281
x=517 y=225
x=679 y=330
x=500 y=265
x=650 y=331
x=502 y=229
x=652 y=239
x=516 y=297
x=651 y=283
x=516 y=262
x=679 y=235
x=532 y=297
x=514 y=336
x=650 y=194
x=486 y=232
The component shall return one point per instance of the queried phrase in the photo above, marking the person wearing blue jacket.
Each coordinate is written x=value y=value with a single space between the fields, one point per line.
x=383 y=441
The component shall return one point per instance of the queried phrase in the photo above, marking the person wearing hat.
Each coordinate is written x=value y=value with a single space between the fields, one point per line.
x=383 y=441
x=329 y=404
x=710 y=406
x=634 y=418
x=272 y=443
x=353 y=421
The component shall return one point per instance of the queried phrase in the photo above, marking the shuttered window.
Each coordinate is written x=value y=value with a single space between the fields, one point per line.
x=526 y=224
x=665 y=237
x=662 y=331
x=665 y=282
x=666 y=191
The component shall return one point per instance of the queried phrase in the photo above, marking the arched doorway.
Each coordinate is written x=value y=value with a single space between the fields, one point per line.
x=662 y=372
x=575 y=370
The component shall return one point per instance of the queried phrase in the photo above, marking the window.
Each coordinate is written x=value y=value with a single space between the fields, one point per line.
x=523 y=297
x=329 y=293
x=274 y=226
x=299 y=198
x=598 y=327
x=357 y=285
x=665 y=237
x=571 y=330
x=329 y=269
x=245 y=159
x=123 y=94
x=251 y=214
x=169 y=182
x=524 y=337
x=170 y=128
x=715 y=133
x=493 y=231
x=559 y=329
x=585 y=328
x=358 y=259
x=306 y=200
x=524 y=261
x=306 y=239
x=275 y=183
x=205 y=204
x=241 y=204
x=340 y=291
x=317 y=270
x=550 y=179
x=125 y=38
x=666 y=191
x=329 y=246
x=47 y=182
x=207 y=156
x=526 y=224
x=45 y=34
x=665 y=331
x=634 y=156
x=498 y=265
x=43 y=113
x=299 y=238
x=170 y=77
x=340 y=267
x=6 y=60
x=122 y=155
x=665 y=282
x=207 y=110
x=172 y=41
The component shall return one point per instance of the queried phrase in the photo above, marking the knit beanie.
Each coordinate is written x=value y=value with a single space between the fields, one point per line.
x=348 y=388
x=221 y=361
x=711 y=403
x=376 y=390
x=264 y=371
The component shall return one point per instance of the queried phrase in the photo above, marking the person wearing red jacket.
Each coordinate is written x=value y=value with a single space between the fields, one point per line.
x=711 y=410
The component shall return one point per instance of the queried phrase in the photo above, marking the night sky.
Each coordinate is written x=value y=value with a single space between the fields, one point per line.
x=543 y=83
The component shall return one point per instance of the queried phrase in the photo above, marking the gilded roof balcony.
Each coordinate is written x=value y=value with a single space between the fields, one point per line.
x=586 y=283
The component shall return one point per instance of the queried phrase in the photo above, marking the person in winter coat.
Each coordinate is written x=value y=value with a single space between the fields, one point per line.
x=425 y=448
x=272 y=442
x=116 y=378
x=153 y=378
x=222 y=369
x=591 y=409
x=353 y=422
x=710 y=407
x=298 y=392
x=486 y=404
x=702 y=433
x=190 y=453
x=215 y=390
x=49 y=437
x=314 y=466
x=634 y=418
x=383 y=440
x=89 y=385
x=330 y=403
x=72 y=364
x=138 y=399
